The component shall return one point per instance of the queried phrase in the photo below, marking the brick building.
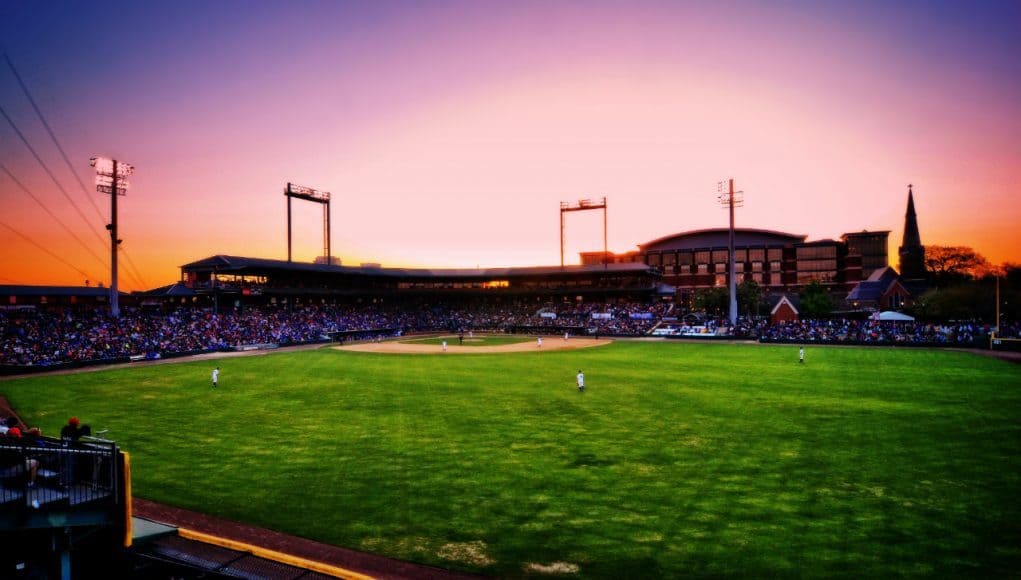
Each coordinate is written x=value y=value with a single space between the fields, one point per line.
x=777 y=261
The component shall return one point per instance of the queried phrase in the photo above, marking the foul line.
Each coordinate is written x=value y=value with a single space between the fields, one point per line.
x=268 y=554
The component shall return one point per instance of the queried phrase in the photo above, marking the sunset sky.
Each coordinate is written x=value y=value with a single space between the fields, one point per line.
x=449 y=132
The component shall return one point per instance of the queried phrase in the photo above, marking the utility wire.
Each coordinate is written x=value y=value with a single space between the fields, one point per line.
x=70 y=167
x=134 y=270
x=50 y=173
x=52 y=215
x=56 y=257
x=130 y=274
x=53 y=137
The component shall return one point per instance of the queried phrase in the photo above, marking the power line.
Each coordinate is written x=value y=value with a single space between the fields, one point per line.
x=67 y=161
x=55 y=256
x=50 y=173
x=52 y=215
x=133 y=270
x=132 y=273
x=53 y=137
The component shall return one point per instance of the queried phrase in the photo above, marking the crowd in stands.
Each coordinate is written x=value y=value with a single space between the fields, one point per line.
x=871 y=332
x=48 y=338
x=626 y=319
x=1010 y=330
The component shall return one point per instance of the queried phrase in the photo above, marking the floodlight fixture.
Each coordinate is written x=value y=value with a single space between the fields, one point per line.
x=109 y=172
x=106 y=166
x=112 y=179
x=583 y=205
x=315 y=195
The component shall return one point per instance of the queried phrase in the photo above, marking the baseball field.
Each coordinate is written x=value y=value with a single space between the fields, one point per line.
x=680 y=459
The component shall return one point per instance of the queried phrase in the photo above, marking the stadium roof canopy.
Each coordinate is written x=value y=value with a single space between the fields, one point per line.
x=719 y=237
x=175 y=290
x=55 y=291
x=261 y=266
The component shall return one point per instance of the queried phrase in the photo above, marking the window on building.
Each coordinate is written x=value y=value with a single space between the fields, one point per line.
x=757 y=277
x=669 y=259
x=721 y=280
x=774 y=254
x=684 y=257
x=703 y=268
x=654 y=260
x=815 y=265
x=756 y=266
x=757 y=255
x=774 y=266
x=702 y=257
x=821 y=276
x=816 y=252
x=741 y=255
x=685 y=268
x=720 y=256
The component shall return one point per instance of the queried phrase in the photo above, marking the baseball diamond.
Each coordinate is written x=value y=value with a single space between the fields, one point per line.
x=680 y=458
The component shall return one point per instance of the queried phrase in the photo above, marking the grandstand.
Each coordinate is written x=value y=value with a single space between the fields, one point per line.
x=259 y=280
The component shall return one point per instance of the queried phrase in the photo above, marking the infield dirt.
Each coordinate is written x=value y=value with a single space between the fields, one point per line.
x=551 y=343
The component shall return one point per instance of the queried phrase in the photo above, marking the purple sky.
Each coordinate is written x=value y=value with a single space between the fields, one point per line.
x=449 y=132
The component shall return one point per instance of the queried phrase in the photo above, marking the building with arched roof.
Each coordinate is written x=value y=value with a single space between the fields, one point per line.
x=776 y=261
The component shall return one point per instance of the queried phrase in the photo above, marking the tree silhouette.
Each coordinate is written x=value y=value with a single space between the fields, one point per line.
x=954 y=264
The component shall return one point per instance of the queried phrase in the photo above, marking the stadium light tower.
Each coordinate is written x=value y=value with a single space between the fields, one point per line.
x=582 y=205
x=731 y=199
x=111 y=178
x=320 y=197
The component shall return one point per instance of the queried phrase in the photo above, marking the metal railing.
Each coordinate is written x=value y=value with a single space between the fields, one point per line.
x=47 y=474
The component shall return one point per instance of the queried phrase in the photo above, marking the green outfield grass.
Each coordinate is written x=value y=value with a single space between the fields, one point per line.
x=679 y=460
x=477 y=340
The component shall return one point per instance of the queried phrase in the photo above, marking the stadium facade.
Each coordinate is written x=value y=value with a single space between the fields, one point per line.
x=779 y=262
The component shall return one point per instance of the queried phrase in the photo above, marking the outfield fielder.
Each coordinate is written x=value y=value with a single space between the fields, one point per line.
x=581 y=381
x=216 y=376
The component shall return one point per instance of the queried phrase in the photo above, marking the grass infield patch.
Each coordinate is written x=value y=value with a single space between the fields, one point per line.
x=680 y=459
x=478 y=340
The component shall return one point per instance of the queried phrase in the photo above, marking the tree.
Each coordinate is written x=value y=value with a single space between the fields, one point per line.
x=961 y=302
x=1008 y=273
x=749 y=297
x=954 y=264
x=815 y=301
x=712 y=300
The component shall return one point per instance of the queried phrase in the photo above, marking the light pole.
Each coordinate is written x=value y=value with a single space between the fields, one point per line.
x=730 y=199
x=111 y=178
x=320 y=197
x=997 y=331
x=583 y=205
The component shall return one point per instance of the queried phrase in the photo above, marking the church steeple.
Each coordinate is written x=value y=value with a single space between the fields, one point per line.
x=912 y=252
